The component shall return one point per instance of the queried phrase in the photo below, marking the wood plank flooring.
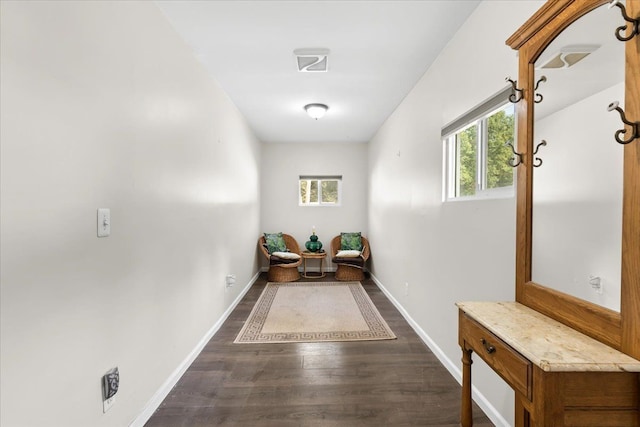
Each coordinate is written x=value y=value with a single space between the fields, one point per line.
x=371 y=383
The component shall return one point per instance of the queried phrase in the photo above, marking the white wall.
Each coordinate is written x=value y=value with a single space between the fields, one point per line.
x=455 y=251
x=577 y=197
x=104 y=106
x=282 y=165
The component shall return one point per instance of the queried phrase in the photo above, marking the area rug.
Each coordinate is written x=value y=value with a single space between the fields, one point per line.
x=314 y=312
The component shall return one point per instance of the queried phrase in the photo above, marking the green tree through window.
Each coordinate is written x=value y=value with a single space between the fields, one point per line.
x=477 y=157
x=500 y=129
x=314 y=191
x=330 y=191
x=468 y=146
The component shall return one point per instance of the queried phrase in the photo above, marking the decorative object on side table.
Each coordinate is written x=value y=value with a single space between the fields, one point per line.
x=313 y=245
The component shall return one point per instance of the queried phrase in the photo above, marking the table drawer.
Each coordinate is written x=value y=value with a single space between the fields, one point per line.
x=509 y=364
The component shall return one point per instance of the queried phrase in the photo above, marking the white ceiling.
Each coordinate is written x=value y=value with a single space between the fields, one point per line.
x=378 y=52
x=598 y=71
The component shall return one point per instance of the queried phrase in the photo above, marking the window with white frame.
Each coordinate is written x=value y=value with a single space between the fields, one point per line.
x=476 y=157
x=319 y=190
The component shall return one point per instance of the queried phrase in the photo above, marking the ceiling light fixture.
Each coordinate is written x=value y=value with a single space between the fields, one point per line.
x=316 y=111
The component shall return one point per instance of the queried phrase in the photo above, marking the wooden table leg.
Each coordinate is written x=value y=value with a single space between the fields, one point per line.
x=466 y=413
x=522 y=416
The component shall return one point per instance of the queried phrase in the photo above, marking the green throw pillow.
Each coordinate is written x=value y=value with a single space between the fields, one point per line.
x=275 y=242
x=351 y=241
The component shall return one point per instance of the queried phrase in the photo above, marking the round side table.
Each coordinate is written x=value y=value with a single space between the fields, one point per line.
x=313 y=255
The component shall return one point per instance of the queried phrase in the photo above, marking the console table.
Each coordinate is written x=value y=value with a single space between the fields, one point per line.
x=560 y=376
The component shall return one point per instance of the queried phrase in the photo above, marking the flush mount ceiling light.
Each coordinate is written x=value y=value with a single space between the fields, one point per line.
x=312 y=60
x=569 y=56
x=316 y=111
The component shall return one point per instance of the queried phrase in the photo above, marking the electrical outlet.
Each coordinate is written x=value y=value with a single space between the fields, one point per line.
x=108 y=403
x=231 y=280
x=406 y=289
x=596 y=283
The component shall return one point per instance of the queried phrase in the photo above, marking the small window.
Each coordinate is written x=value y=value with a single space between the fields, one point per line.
x=475 y=155
x=319 y=190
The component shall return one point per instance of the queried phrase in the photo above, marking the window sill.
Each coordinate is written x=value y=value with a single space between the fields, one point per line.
x=490 y=195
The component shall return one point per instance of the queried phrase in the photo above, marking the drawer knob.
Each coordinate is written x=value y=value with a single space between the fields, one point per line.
x=490 y=349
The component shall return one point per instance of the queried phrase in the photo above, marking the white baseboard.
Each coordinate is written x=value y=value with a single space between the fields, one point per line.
x=175 y=376
x=453 y=369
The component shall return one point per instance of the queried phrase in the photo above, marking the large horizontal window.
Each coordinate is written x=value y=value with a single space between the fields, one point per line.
x=319 y=190
x=476 y=157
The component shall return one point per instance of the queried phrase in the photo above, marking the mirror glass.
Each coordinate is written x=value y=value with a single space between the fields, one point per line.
x=577 y=190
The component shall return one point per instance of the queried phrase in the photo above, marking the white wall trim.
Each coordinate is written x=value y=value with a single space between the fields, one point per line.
x=175 y=376
x=453 y=369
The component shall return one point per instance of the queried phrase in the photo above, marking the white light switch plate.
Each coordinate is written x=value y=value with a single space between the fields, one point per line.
x=104 y=222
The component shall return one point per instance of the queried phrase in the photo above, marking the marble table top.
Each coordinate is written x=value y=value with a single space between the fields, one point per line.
x=547 y=343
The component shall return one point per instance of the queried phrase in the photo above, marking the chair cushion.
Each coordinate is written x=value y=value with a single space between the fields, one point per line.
x=351 y=241
x=286 y=255
x=348 y=254
x=274 y=260
x=275 y=242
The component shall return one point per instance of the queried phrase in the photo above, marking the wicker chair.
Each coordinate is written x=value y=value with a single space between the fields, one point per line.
x=282 y=272
x=350 y=269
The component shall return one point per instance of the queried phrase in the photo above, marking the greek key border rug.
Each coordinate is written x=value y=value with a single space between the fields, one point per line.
x=314 y=312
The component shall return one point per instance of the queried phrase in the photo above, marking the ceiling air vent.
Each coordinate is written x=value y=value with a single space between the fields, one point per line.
x=312 y=60
x=568 y=56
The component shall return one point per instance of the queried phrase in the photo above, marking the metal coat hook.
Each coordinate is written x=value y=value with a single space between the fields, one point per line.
x=516 y=94
x=537 y=161
x=635 y=22
x=635 y=126
x=538 y=97
x=517 y=157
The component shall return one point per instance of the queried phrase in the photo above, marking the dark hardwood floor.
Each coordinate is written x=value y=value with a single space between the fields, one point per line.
x=371 y=383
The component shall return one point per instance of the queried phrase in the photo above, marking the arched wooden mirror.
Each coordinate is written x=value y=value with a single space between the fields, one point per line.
x=573 y=220
x=577 y=188
x=579 y=212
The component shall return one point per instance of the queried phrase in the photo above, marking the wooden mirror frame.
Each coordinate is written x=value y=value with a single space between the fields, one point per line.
x=618 y=330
